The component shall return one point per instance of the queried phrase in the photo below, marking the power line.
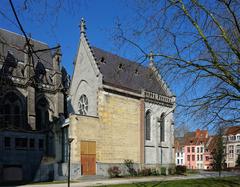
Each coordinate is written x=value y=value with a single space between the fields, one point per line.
x=30 y=49
x=19 y=24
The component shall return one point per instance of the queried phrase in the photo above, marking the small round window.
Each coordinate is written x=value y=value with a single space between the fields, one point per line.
x=83 y=105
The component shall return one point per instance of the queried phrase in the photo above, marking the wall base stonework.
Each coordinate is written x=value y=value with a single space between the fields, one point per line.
x=102 y=168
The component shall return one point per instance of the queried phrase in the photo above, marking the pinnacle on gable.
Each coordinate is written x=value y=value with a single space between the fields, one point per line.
x=83 y=26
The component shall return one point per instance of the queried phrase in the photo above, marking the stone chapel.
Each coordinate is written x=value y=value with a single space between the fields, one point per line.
x=118 y=110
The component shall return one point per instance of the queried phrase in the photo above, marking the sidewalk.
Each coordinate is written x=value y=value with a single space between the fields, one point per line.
x=101 y=182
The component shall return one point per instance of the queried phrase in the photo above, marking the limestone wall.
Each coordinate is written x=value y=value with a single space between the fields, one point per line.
x=116 y=130
x=154 y=147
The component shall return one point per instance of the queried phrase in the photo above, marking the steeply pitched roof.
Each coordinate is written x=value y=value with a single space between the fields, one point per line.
x=198 y=137
x=179 y=143
x=126 y=74
x=212 y=142
x=14 y=43
x=232 y=130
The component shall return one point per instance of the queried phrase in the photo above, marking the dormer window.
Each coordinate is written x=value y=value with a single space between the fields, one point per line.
x=120 y=66
x=102 y=60
x=136 y=72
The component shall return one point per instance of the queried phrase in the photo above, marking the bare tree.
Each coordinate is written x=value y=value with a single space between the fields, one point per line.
x=181 y=129
x=218 y=152
x=196 y=44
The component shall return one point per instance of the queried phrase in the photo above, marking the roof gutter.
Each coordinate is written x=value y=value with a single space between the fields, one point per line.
x=123 y=91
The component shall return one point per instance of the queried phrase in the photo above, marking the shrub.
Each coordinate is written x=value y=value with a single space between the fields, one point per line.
x=238 y=160
x=155 y=172
x=163 y=171
x=114 y=171
x=181 y=169
x=171 y=171
x=129 y=165
x=144 y=172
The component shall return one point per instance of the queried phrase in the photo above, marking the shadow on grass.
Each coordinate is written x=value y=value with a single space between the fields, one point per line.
x=210 y=182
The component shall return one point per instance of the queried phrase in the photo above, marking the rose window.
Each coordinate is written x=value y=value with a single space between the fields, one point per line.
x=83 y=105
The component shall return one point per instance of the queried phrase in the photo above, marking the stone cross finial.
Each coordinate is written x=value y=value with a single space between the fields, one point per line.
x=83 y=26
x=151 y=56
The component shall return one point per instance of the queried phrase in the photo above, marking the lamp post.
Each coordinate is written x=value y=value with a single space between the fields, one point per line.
x=69 y=157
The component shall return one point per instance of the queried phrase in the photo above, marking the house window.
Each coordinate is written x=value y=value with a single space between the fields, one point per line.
x=238 y=149
x=148 y=125
x=83 y=105
x=21 y=143
x=207 y=158
x=231 y=151
x=193 y=157
x=181 y=161
x=188 y=157
x=162 y=127
x=188 y=149
x=193 y=149
x=201 y=157
x=197 y=149
x=201 y=149
x=232 y=138
x=32 y=143
x=7 y=142
x=40 y=144
x=197 y=157
x=177 y=161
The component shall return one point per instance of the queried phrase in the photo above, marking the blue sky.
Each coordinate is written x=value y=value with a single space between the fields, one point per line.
x=100 y=16
x=100 y=19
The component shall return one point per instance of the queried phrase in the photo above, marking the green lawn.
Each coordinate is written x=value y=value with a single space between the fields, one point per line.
x=211 y=182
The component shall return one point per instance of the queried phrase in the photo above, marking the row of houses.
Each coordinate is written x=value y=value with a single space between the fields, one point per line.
x=195 y=149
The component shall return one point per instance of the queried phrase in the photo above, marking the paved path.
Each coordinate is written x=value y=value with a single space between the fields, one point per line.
x=100 y=182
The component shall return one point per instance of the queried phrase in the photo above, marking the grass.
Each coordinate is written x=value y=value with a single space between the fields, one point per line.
x=52 y=182
x=35 y=183
x=210 y=182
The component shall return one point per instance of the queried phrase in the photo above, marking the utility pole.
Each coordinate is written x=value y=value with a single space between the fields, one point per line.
x=69 y=158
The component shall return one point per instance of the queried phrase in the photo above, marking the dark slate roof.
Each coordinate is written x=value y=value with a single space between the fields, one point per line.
x=14 y=43
x=126 y=74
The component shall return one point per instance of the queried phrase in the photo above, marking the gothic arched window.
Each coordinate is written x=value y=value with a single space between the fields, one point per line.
x=148 y=125
x=42 y=114
x=162 y=127
x=83 y=105
x=12 y=110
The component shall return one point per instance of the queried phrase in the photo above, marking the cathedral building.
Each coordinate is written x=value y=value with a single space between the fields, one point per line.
x=32 y=90
x=118 y=110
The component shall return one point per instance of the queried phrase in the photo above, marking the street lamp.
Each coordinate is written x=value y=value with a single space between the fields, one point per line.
x=69 y=157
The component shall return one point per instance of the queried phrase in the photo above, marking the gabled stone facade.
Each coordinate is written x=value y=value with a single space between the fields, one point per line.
x=108 y=102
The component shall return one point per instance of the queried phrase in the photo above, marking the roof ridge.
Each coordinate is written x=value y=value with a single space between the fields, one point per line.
x=3 y=29
x=109 y=52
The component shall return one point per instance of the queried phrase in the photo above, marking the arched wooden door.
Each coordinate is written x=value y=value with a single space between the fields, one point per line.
x=88 y=157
